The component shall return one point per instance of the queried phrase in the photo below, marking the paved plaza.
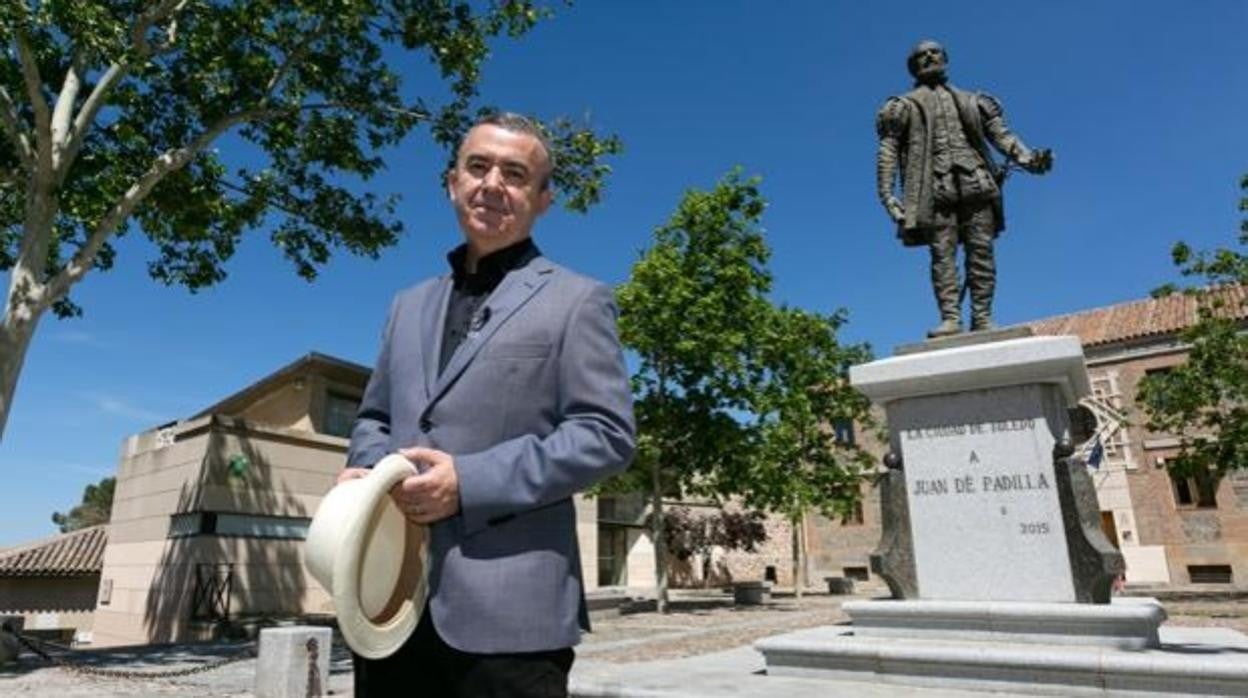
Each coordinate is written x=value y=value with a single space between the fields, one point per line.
x=701 y=649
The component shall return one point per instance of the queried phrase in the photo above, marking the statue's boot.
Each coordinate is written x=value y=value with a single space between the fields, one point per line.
x=981 y=310
x=948 y=326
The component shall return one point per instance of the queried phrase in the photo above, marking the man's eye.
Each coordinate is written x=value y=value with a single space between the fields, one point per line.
x=478 y=168
x=515 y=175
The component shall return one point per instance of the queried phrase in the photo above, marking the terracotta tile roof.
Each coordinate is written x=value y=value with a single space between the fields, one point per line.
x=1149 y=317
x=68 y=555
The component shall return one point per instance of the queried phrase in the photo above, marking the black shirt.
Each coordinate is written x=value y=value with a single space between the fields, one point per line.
x=464 y=313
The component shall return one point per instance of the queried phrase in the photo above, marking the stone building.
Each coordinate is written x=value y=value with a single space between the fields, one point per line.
x=52 y=583
x=1170 y=530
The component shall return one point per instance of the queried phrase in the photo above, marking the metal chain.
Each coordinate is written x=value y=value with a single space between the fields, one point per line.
x=85 y=670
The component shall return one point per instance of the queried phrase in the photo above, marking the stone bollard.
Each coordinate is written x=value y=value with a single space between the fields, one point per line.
x=293 y=662
x=9 y=646
x=750 y=593
x=840 y=585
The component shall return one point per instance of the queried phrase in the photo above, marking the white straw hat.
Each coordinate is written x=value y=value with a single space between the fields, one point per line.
x=371 y=559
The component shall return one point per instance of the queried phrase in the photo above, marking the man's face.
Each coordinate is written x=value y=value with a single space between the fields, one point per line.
x=928 y=62
x=497 y=187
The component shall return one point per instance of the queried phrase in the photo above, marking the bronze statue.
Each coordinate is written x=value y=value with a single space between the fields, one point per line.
x=950 y=184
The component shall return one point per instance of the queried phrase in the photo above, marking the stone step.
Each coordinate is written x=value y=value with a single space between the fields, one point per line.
x=1190 y=661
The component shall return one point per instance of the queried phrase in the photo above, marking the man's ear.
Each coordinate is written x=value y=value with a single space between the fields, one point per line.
x=543 y=203
x=449 y=180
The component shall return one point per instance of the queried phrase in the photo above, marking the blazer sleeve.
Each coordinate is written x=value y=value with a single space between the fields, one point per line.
x=593 y=440
x=370 y=435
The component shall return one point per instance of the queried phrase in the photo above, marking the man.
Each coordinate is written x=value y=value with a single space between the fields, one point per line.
x=951 y=186
x=505 y=383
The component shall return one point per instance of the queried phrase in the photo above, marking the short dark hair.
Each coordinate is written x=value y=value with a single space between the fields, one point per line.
x=516 y=123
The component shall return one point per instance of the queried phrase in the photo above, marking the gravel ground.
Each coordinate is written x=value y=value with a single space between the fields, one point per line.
x=699 y=628
x=694 y=627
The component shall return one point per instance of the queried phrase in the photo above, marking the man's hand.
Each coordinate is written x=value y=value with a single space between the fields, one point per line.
x=432 y=495
x=1037 y=161
x=351 y=474
x=895 y=211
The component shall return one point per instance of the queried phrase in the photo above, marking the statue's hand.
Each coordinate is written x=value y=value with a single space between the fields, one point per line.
x=895 y=211
x=1037 y=161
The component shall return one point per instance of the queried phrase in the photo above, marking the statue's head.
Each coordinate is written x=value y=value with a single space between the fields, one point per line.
x=928 y=62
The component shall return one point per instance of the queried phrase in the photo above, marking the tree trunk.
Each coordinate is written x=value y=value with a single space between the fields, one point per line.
x=660 y=549
x=800 y=558
x=798 y=582
x=15 y=336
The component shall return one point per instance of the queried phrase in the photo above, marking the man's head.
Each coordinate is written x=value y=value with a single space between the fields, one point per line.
x=500 y=182
x=928 y=62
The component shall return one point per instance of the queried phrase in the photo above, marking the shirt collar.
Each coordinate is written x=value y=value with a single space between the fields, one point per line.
x=492 y=267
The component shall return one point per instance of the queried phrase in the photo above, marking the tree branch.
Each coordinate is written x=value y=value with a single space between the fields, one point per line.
x=16 y=130
x=10 y=178
x=86 y=116
x=398 y=111
x=114 y=74
x=34 y=90
x=164 y=164
x=149 y=18
x=64 y=109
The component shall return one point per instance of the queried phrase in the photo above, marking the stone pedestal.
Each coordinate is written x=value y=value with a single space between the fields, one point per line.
x=293 y=662
x=980 y=444
x=992 y=544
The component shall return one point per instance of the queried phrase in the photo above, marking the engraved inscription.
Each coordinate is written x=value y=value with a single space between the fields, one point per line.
x=952 y=430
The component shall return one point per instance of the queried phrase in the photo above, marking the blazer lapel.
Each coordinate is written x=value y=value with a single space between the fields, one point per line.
x=431 y=334
x=515 y=290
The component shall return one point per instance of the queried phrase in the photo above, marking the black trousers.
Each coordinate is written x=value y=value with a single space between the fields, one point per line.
x=427 y=667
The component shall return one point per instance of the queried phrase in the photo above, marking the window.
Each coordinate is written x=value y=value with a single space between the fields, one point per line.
x=853 y=518
x=612 y=555
x=211 y=523
x=1209 y=574
x=844 y=430
x=340 y=413
x=1200 y=491
x=1157 y=372
x=858 y=574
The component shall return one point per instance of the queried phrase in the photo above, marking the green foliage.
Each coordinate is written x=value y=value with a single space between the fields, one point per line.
x=1204 y=401
x=689 y=311
x=309 y=91
x=734 y=397
x=96 y=507
x=803 y=395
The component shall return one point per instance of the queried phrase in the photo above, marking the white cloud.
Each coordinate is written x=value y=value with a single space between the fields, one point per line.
x=79 y=337
x=115 y=406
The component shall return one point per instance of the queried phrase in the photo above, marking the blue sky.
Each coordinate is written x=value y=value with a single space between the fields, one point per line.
x=1143 y=103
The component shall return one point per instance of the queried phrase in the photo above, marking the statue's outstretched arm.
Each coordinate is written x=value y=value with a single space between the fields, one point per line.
x=1003 y=139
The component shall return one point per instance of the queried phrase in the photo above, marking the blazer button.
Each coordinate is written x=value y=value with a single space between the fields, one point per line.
x=426 y=425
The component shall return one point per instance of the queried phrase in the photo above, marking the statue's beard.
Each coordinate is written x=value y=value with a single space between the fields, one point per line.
x=931 y=75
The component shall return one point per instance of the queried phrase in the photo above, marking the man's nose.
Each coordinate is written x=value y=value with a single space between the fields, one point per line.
x=494 y=178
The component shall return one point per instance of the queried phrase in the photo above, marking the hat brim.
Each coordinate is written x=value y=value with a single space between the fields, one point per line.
x=352 y=518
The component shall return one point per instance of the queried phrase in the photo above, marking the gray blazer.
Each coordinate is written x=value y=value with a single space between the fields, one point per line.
x=533 y=406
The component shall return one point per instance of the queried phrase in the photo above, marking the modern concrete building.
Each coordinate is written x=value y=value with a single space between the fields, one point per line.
x=52 y=583
x=210 y=512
